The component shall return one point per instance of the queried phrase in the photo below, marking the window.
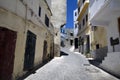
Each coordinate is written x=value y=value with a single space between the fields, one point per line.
x=71 y=42
x=94 y=28
x=39 y=13
x=83 y=22
x=83 y=1
x=119 y=24
x=78 y=10
x=97 y=46
x=62 y=31
x=46 y=21
x=71 y=34
x=79 y=26
x=75 y=14
x=75 y=26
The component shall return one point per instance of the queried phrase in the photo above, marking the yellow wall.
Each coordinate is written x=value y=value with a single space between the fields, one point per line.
x=96 y=37
x=16 y=23
x=99 y=37
x=88 y=30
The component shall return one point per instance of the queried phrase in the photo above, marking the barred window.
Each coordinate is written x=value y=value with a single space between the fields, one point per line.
x=46 y=21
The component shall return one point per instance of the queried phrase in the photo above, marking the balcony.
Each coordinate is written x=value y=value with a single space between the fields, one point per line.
x=83 y=9
x=101 y=11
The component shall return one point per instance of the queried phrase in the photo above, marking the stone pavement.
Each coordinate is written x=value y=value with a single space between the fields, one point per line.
x=71 y=67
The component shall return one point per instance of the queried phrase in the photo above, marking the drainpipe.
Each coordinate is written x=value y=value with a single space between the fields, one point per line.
x=25 y=18
x=26 y=7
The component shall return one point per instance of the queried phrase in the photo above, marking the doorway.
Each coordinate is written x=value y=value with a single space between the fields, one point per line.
x=82 y=46
x=97 y=46
x=7 y=51
x=88 y=44
x=44 y=51
x=29 y=51
x=71 y=42
x=76 y=43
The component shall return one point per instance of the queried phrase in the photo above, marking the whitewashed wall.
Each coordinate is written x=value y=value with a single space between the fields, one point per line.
x=112 y=31
x=75 y=22
x=18 y=8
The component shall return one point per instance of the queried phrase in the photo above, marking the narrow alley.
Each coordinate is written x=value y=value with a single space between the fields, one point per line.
x=73 y=66
x=59 y=39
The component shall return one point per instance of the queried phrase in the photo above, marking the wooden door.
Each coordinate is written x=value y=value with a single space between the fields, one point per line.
x=29 y=51
x=7 y=49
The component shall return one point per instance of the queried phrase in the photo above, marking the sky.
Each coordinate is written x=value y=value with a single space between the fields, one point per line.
x=71 y=5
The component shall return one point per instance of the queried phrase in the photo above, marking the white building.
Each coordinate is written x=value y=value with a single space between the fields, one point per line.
x=69 y=37
x=63 y=36
x=76 y=27
x=106 y=13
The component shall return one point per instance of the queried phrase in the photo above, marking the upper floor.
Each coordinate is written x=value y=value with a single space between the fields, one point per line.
x=69 y=33
x=75 y=14
x=75 y=29
x=101 y=11
x=82 y=7
x=37 y=11
x=84 y=22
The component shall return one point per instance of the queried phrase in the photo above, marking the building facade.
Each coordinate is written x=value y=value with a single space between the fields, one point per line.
x=75 y=15
x=63 y=36
x=59 y=20
x=84 y=26
x=26 y=36
x=98 y=44
x=106 y=13
x=69 y=37
x=92 y=39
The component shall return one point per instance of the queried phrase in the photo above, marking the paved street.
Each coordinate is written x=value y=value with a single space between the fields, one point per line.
x=70 y=67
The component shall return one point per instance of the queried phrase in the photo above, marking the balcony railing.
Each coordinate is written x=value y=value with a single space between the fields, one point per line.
x=96 y=7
